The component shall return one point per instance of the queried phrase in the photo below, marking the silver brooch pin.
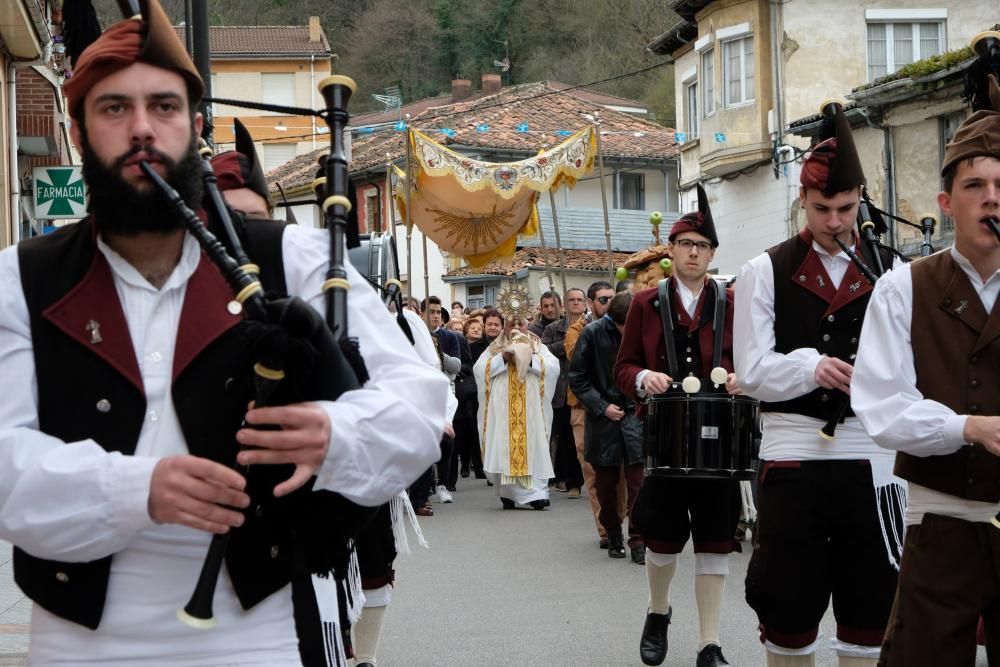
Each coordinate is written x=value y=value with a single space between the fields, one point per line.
x=855 y=286
x=961 y=307
x=819 y=279
x=94 y=328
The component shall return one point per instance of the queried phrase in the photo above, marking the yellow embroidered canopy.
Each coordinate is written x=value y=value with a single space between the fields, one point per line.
x=477 y=209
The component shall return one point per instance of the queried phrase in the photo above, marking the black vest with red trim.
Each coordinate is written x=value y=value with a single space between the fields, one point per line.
x=90 y=388
x=810 y=313
x=687 y=330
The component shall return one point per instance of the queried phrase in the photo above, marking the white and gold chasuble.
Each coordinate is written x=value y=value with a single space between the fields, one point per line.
x=515 y=409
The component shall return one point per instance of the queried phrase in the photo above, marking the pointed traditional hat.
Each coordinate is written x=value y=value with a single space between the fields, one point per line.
x=240 y=168
x=697 y=221
x=833 y=165
x=147 y=38
x=979 y=135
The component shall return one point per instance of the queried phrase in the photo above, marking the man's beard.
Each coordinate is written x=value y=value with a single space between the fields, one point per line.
x=119 y=208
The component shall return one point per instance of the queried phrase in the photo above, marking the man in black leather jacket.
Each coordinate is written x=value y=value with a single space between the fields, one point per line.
x=613 y=434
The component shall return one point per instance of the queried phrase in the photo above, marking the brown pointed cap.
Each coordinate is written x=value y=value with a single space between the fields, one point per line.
x=148 y=38
x=700 y=221
x=833 y=165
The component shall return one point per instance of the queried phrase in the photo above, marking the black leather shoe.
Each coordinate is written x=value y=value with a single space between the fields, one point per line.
x=653 y=645
x=507 y=503
x=539 y=504
x=711 y=656
x=639 y=554
x=479 y=474
x=364 y=664
x=616 y=549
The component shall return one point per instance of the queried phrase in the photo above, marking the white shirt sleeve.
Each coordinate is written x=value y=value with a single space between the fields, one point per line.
x=884 y=391
x=73 y=502
x=761 y=372
x=385 y=434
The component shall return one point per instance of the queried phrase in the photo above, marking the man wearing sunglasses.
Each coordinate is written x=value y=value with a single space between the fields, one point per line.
x=670 y=510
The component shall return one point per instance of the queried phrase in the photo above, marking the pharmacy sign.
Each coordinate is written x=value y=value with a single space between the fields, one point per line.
x=59 y=193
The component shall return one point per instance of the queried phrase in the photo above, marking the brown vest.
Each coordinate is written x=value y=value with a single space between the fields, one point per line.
x=956 y=352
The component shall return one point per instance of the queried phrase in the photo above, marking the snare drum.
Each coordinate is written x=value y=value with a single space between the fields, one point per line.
x=709 y=434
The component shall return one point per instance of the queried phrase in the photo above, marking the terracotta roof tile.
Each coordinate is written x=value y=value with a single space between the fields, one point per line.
x=543 y=107
x=575 y=260
x=262 y=41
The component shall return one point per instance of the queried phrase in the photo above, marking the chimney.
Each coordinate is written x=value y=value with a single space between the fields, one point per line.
x=460 y=89
x=314 y=29
x=491 y=84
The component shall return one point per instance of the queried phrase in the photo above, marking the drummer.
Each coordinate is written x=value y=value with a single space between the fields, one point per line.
x=669 y=510
x=799 y=310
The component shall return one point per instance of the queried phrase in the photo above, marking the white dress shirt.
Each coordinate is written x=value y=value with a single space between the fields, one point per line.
x=76 y=502
x=772 y=376
x=885 y=395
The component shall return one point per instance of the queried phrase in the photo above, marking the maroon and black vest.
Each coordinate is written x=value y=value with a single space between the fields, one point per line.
x=89 y=389
x=810 y=313
x=956 y=351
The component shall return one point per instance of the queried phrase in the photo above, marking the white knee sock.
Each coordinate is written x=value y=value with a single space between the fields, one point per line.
x=850 y=661
x=366 y=634
x=708 y=589
x=660 y=569
x=775 y=660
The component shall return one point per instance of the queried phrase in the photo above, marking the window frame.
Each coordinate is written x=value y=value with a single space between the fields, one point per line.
x=890 y=40
x=632 y=175
x=708 y=77
x=692 y=121
x=745 y=100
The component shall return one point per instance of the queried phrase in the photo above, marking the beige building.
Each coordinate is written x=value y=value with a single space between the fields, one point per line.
x=276 y=65
x=744 y=69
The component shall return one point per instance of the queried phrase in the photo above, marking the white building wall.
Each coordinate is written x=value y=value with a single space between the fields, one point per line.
x=437 y=265
x=751 y=213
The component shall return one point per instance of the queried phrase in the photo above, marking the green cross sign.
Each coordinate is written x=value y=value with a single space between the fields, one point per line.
x=59 y=192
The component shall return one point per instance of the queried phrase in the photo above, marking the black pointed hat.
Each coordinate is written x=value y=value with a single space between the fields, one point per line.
x=833 y=164
x=244 y=145
x=697 y=221
x=240 y=168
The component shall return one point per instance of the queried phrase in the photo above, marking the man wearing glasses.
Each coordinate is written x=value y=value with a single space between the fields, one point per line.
x=670 y=510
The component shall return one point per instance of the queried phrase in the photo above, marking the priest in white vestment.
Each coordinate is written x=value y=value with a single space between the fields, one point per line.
x=516 y=378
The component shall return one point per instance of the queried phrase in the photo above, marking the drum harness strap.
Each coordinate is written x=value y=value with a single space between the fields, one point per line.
x=667 y=317
x=719 y=322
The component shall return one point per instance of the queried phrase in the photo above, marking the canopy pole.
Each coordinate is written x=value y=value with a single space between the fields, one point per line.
x=409 y=214
x=389 y=221
x=604 y=197
x=559 y=250
x=541 y=237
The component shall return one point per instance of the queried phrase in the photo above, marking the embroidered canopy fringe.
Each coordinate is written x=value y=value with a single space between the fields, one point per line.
x=478 y=209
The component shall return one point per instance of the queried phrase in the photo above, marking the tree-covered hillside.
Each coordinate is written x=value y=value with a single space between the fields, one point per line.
x=421 y=45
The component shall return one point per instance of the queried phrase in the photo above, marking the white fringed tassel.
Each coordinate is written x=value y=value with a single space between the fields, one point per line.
x=892 y=500
x=326 y=592
x=356 y=597
x=749 y=513
x=400 y=509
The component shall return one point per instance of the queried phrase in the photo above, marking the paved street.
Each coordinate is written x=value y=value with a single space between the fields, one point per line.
x=532 y=588
x=519 y=587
